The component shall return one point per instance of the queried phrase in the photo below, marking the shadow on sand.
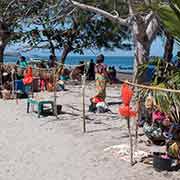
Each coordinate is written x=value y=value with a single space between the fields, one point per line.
x=104 y=129
x=114 y=103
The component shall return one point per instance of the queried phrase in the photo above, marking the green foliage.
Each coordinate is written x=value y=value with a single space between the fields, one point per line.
x=79 y=31
x=164 y=72
x=170 y=15
x=165 y=76
x=14 y=12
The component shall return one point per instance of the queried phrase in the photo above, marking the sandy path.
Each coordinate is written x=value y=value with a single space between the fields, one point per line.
x=50 y=149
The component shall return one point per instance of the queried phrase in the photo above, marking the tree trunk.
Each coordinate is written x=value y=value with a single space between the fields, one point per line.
x=52 y=49
x=4 y=38
x=2 y=48
x=142 y=51
x=168 y=49
x=66 y=51
x=144 y=32
x=142 y=45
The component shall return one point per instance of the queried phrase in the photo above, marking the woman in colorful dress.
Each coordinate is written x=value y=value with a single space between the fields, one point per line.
x=101 y=77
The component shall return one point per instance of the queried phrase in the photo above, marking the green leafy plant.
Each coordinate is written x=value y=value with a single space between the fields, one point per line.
x=169 y=13
x=165 y=76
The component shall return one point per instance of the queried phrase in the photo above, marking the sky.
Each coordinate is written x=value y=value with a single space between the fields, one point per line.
x=157 y=49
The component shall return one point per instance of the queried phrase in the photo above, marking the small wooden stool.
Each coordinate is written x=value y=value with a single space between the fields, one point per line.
x=40 y=105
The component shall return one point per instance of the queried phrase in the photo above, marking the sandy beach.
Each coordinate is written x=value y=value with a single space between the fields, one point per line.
x=89 y=90
x=56 y=149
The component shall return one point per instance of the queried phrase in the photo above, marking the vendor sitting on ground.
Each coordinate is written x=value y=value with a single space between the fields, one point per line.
x=173 y=141
x=63 y=77
x=78 y=71
x=64 y=74
x=173 y=150
x=156 y=123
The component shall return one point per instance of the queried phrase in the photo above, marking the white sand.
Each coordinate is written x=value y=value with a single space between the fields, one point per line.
x=50 y=149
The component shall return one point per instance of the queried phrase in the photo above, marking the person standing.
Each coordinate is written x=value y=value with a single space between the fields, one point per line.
x=101 y=77
x=91 y=71
x=22 y=63
x=114 y=74
x=52 y=61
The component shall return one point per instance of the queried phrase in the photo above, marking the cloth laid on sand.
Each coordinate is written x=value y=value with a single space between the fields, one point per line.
x=122 y=151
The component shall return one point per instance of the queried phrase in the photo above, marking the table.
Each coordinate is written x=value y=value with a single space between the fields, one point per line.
x=40 y=105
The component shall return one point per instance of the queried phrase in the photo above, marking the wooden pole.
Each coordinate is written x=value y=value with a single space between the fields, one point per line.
x=13 y=83
x=137 y=122
x=83 y=102
x=55 y=95
x=131 y=141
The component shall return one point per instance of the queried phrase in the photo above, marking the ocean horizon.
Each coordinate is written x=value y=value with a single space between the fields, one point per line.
x=121 y=63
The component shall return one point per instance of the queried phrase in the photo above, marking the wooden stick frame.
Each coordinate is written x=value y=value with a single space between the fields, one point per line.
x=128 y=120
x=83 y=102
x=151 y=87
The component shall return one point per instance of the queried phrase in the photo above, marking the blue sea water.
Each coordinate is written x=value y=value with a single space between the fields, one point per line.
x=121 y=63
